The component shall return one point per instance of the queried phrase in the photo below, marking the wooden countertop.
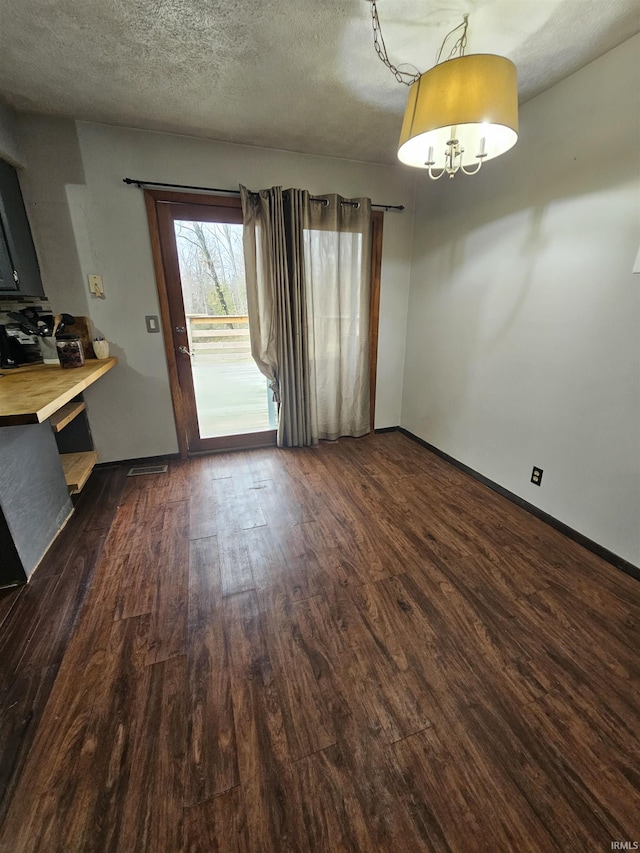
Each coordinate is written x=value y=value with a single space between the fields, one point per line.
x=31 y=394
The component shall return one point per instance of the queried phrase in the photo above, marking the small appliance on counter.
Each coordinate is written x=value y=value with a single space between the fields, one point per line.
x=35 y=334
x=32 y=325
x=17 y=348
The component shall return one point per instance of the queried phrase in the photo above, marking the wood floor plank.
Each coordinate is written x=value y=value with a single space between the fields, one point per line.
x=609 y=719
x=137 y=593
x=348 y=796
x=58 y=750
x=274 y=821
x=154 y=809
x=360 y=539
x=385 y=663
x=19 y=630
x=168 y=634
x=276 y=500
x=532 y=764
x=264 y=556
x=304 y=574
x=217 y=825
x=203 y=509
x=306 y=719
x=593 y=768
x=178 y=480
x=22 y=702
x=471 y=646
x=8 y=598
x=257 y=713
x=80 y=817
x=99 y=513
x=50 y=640
x=337 y=806
x=385 y=703
x=235 y=564
x=115 y=724
x=212 y=753
x=246 y=505
x=445 y=778
x=582 y=658
x=237 y=505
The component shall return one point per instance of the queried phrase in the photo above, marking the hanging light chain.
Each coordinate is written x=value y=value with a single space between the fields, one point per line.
x=408 y=77
x=405 y=77
x=461 y=43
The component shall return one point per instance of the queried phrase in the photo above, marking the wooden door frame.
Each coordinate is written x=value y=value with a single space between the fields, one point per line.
x=153 y=199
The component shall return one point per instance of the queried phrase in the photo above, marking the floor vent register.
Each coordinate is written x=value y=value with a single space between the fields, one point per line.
x=138 y=470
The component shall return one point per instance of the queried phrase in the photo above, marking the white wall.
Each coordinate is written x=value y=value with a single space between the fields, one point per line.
x=86 y=220
x=523 y=341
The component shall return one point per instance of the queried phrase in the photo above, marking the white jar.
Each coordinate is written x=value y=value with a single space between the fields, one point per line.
x=101 y=349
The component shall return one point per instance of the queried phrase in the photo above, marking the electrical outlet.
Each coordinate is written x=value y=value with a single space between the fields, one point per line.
x=96 y=286
x=536 y=476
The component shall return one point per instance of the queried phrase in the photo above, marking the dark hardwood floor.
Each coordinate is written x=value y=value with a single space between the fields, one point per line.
x=350 y=648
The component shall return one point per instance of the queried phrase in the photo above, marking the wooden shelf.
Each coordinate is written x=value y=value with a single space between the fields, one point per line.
x=77 y=467
x=65 y=415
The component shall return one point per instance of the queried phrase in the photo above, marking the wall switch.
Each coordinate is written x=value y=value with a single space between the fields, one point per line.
x=536 y=476
x=152 y=323
x=95 y=285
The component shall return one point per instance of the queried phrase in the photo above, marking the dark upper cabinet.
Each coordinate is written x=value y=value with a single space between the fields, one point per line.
x=19 y=269
x=7 y=280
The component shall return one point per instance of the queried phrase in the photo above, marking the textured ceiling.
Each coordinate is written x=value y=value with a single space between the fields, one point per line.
x=300 y=75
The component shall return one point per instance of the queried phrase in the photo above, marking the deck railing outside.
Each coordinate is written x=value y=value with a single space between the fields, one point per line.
x=231 y=394
x=225 y=338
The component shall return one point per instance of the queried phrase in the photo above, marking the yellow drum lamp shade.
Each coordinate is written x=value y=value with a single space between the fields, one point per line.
x=471 y=99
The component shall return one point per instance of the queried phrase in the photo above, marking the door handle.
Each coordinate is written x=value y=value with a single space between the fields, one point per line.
x=185 y=351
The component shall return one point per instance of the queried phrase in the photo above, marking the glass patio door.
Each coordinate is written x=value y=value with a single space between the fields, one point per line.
x=222 y=399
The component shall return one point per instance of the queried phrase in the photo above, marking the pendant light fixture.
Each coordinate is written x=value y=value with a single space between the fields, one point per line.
x=460 y=113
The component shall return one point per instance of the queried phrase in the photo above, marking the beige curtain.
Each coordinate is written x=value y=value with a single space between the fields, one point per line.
x=308 y=287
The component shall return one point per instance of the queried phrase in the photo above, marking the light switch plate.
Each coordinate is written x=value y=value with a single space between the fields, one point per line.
x=152 y=323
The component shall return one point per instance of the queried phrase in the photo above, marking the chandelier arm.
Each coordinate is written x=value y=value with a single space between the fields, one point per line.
x=475 y=171
x=433 y=176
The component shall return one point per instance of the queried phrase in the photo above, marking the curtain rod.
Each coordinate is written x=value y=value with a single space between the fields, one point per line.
x=142 y=184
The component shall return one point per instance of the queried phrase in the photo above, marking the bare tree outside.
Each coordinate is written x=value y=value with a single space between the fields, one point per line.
x=211 y=267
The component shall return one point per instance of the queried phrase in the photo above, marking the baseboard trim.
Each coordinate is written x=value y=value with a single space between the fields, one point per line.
x=386 y=429
x=615 y=560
